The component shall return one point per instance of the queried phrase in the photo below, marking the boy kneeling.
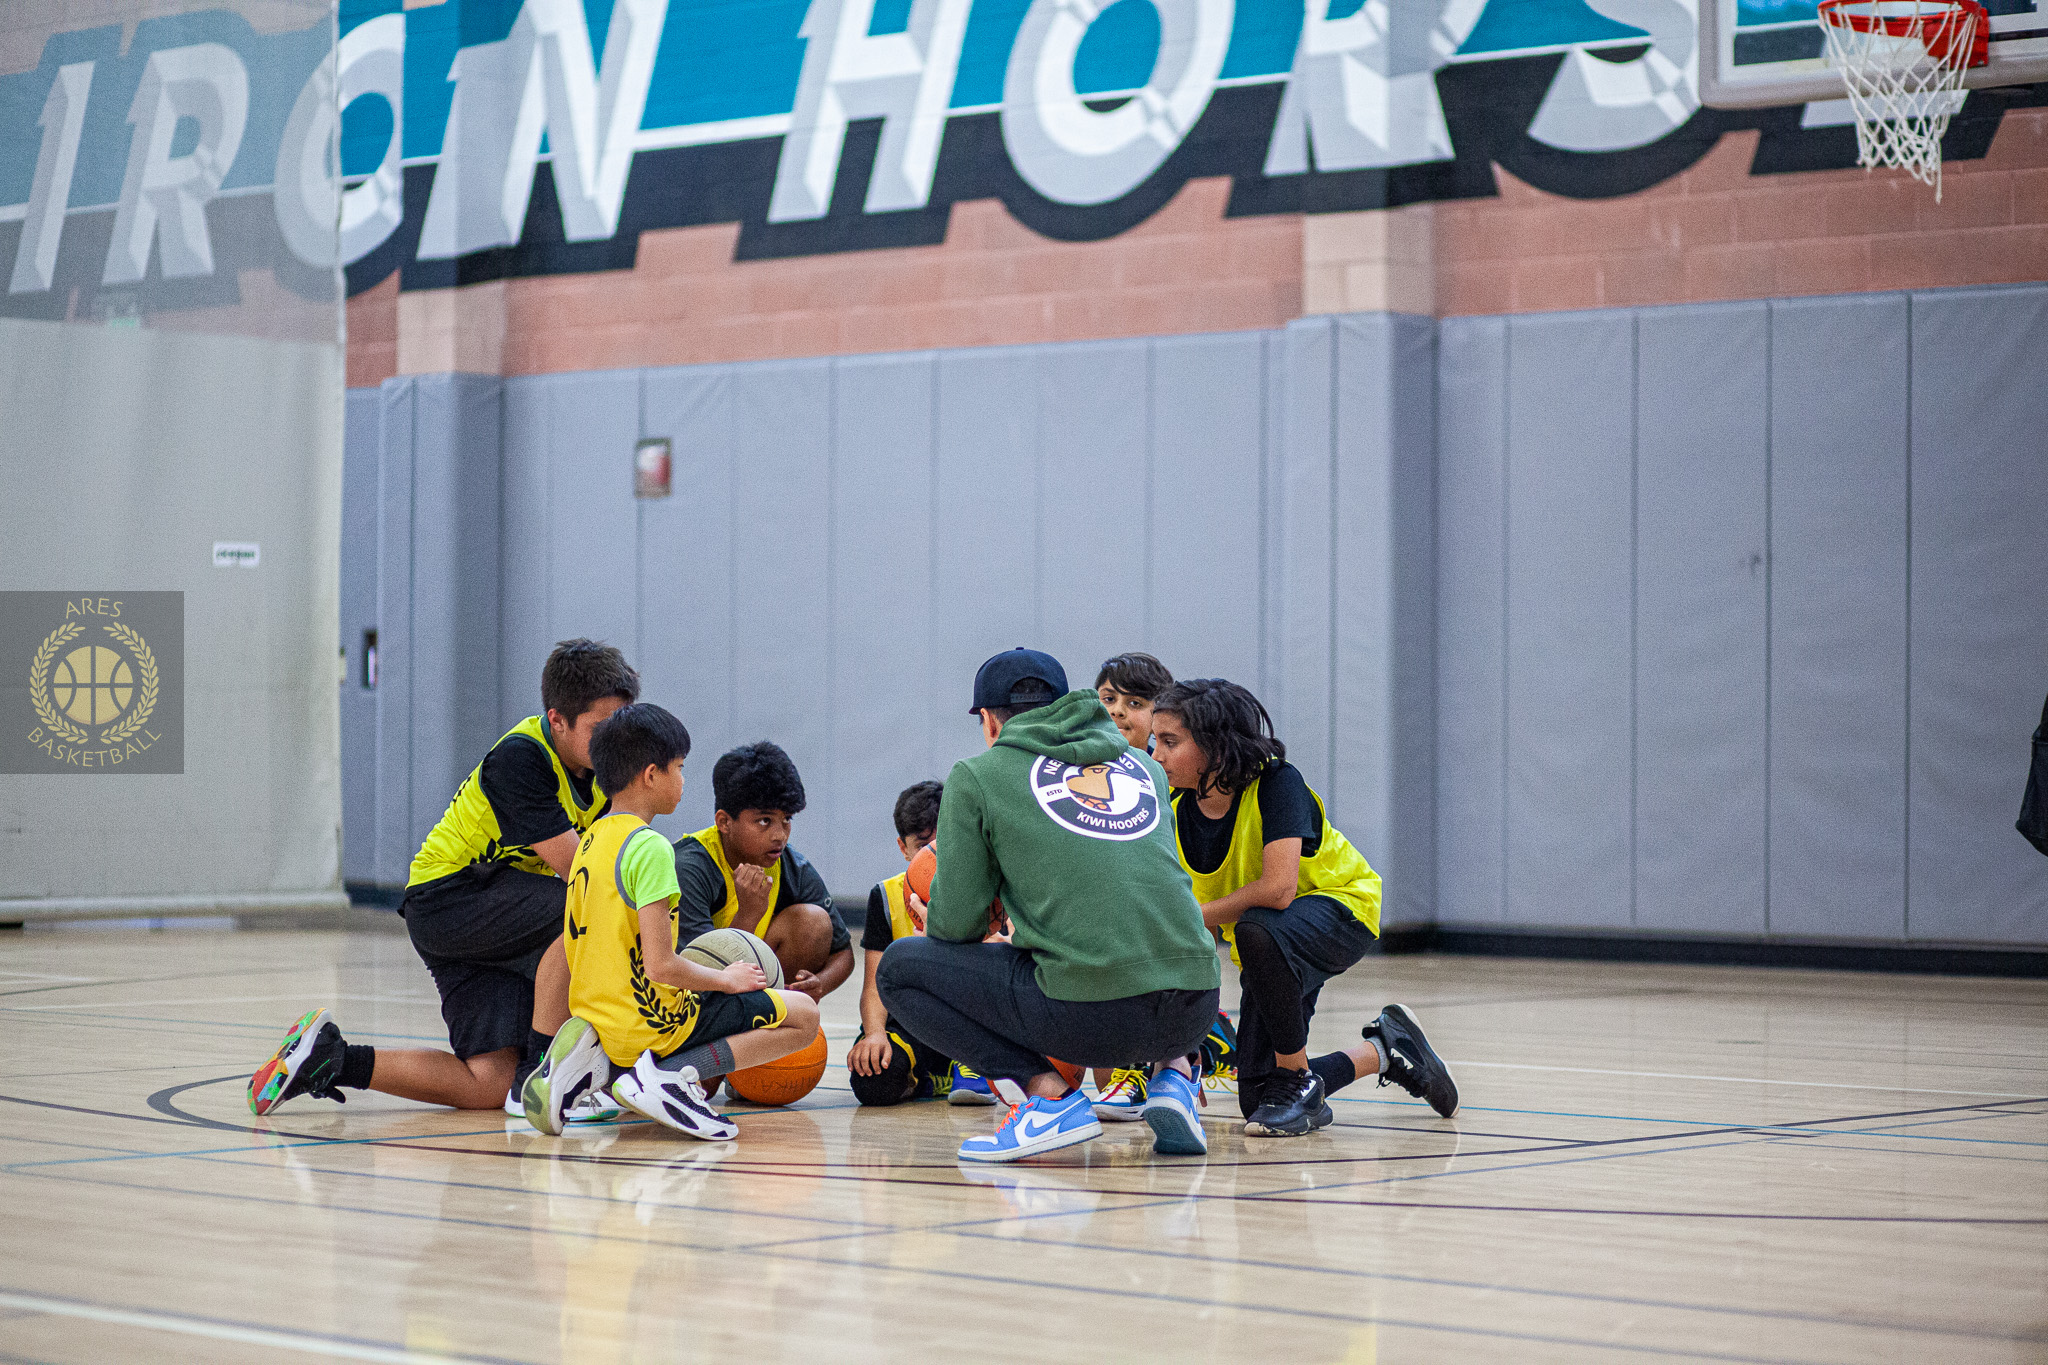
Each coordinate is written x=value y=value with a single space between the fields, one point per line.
x=652 y=1025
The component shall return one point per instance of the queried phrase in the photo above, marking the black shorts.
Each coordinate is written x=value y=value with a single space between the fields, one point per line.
x=721 y=1016
x=482 y=932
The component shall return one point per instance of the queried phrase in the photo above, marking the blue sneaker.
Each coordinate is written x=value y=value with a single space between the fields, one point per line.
x=1123 y=1100
x=1170 y=1114
x=1035 y=1127
x=969 y=1087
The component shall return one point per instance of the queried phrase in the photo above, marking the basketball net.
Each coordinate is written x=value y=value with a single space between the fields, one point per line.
x=1903 y=61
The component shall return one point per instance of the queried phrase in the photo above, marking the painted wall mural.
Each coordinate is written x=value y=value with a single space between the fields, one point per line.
x=480 y=139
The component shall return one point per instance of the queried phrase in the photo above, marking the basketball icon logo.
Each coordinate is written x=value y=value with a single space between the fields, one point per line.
x=1115 y=800
x=75 y=685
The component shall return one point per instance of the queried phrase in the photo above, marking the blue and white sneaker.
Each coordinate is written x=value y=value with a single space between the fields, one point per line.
x=1035 y=1127
x=1170 y=1114
x=1124 y=1099
x=969 y=1087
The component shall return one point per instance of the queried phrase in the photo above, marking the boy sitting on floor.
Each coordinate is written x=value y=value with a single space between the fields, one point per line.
x=886 y=1064
x=741 y=873
x=673 y=1025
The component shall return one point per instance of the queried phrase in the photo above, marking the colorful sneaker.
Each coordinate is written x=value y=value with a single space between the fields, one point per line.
x=1035 y=1127
x=596 y=1106
x=307 y=1062
x=1219 y=1049
x=573 y=1065
x=672 y=1098
x=1124 y=1100
x=968 y=1087
x=1291 y=1106
x=1411 y=1063
x=1170 y=1114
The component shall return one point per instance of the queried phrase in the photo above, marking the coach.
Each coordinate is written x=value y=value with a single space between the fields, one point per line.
x=1107 y=958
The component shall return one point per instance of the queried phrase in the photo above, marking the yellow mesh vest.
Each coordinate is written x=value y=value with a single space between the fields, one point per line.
x=468 y=830
x=894 y=895
x=722 y=918
x=1338 y=871
x=608 y=982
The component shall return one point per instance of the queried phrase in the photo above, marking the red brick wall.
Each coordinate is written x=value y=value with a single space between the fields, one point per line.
x=1716 y=232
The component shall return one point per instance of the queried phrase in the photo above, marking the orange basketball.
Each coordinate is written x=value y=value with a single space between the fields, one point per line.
x=919 y=878
x=784 y=1080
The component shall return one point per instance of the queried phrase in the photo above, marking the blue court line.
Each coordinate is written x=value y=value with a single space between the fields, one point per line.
x=1282 y=1309
x=1495 y=1287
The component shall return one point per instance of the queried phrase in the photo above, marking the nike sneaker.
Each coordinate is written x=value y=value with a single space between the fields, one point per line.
x=1292 y=1105
x=1411 y=1063
x=1219 y=1049
x=674 y=1099
x=573 y=1065
x=1035 y=1127
x=1124 y=1100
x=1170 y=1113
x=969 y=1087
x=307 y=1062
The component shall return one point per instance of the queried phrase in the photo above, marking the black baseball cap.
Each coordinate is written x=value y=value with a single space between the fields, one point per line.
x=999 y=677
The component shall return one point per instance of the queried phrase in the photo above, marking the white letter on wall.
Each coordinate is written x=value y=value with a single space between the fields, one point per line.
x=371 y=61
x=539 y=79
x=904 y=79
x=35 y=261
x=1362 y=92
x=1595 y=105
x=164 y=198
x=1070 y=153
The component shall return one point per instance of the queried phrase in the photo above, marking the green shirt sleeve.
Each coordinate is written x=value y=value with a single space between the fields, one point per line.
x=647 y=869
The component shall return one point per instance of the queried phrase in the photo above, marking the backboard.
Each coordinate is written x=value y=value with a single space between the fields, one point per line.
x=1765 y=52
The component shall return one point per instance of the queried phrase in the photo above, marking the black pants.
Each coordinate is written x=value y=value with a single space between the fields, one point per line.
x=981 y=1003
x=482 y=932
x=910 y=1062
x=1319 y=939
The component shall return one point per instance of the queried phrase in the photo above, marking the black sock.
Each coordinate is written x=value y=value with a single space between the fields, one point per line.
x=712 y=1060
x=1335 y=1069
x=537 y=1044
x=357 y=1064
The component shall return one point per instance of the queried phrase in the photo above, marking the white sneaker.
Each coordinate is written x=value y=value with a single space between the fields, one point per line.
x=1124 y=1100
x=674 y=1099
x=593 y=1106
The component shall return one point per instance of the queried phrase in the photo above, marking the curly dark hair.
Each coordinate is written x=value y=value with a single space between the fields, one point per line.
x=1135 y=675
x=1229 y=726
x=757 y=776
x=580 y=673
x=917 y=809
x=625 y=743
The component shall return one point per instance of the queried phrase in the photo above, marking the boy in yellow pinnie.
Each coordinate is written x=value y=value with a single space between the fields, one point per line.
x=652 y=1025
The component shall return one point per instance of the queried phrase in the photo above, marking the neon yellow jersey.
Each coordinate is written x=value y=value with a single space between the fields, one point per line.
x=721 y=918
x=468 y=830
x=895 y=895
x=608 y=981
x=1338 y=871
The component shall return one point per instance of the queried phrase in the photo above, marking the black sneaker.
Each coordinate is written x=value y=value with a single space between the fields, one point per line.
x=1411 y=1063
x=308 y=1062
x=1291 y=1106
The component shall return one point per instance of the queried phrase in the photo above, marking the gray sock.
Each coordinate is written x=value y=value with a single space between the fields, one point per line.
x=712 y=1060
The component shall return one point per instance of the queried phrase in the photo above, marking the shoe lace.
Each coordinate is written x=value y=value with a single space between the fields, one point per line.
x=1222 y=1078
x=1125 y=1079
x=1010 y=1114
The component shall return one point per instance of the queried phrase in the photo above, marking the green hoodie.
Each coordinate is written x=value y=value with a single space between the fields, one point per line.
x=1074 y=830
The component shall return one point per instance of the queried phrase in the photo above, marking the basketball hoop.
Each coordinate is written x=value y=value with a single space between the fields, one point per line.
x=1903 y=61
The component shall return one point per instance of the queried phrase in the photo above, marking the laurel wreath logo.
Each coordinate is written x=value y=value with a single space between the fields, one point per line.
x=39 y=683
x=146 y=678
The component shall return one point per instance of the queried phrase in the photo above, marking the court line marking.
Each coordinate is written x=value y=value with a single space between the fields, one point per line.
x=1746 y=1080
x=228 y=1329
x=299 y=998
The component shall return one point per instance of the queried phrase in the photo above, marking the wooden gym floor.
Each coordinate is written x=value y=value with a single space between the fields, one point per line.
x=1651 y=1162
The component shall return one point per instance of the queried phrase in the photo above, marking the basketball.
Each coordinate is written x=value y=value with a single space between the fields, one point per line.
x=721 y=948
x=919 y=878
x=784 y=1080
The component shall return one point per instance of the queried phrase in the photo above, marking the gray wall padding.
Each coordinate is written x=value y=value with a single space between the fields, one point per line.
x=1838 y=617
x=361 y=448
x=1570 y=426
x=1979 y=611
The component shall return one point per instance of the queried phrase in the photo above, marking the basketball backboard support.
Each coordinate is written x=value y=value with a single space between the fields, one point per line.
x=1766 y=52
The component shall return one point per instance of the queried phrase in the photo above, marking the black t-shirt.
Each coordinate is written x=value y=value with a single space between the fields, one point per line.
x=1287 y=810
x=519 y=781
x=879 y=933
x=703 y=891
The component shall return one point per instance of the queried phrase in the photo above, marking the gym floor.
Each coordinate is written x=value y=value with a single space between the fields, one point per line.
x=1679 y=1163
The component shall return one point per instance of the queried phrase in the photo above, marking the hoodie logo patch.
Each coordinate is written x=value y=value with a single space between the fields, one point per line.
x=1114 y=800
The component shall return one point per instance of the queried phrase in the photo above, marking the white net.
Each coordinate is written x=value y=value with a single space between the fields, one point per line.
x=1903 y=62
